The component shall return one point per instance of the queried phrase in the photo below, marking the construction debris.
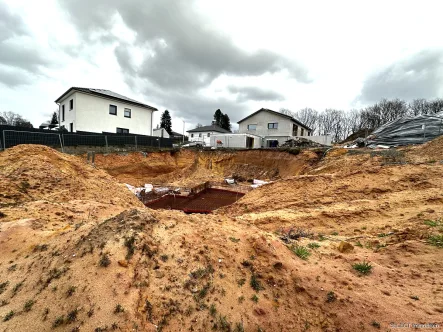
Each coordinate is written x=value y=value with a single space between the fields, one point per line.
x=300 y=142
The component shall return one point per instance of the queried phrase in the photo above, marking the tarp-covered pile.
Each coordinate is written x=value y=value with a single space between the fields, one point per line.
x=408 y=130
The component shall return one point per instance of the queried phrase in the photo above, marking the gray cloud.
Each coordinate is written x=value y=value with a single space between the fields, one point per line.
x=419 y=76
x=253 y=93
x=185 y=53
x=19 y=60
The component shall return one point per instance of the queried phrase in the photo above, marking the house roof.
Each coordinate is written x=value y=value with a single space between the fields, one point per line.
x=209 y=128
x=174 y=133
x=107 y=94
x=276 y=113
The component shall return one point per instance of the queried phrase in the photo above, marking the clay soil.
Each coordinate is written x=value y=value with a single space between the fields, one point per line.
x=78 y=252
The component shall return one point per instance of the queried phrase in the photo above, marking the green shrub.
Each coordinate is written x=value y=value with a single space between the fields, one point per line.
x=363 y=268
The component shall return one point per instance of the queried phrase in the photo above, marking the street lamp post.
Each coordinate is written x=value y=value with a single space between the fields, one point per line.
x=183 y=131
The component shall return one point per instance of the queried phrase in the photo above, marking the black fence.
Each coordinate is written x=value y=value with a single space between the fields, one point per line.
x=11 y=136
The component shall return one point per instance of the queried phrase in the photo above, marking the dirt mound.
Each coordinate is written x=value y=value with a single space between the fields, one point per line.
x=138 y=168
x=348 y=245
x=431 y=151
x=33 y=172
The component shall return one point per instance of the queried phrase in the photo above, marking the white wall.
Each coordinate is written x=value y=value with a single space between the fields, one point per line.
x=91 y=113
x=70 y=115
x=262 y=119
x=161 y=132
x=202 y=136
x=235 y=140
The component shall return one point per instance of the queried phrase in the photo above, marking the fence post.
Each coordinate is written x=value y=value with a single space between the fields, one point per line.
x=106 y=142
x=135 y=143
x=61 y=144
x=4 y=141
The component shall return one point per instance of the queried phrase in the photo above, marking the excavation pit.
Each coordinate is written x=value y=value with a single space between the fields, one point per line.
x=204 y=201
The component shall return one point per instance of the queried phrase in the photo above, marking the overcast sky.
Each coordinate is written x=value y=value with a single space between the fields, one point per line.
x=192 y=57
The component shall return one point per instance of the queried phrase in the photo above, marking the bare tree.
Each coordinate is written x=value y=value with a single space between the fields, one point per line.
x=14 y=119
x=308 y=117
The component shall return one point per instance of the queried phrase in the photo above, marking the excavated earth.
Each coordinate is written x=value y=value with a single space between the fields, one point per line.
x=79 y=252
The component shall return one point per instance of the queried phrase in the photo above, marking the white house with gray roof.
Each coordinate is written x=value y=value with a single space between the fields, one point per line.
x=103 y=111
x=275 y=128
x=204 y=133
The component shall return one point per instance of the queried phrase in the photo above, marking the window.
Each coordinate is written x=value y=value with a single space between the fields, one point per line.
x=71 y=127
x=71 y=104
x=209 y=135
x=294 y=129
x=127 y=112
x=63 y=112
x=192 y=135
x=122 y=131
x=112 y=109
x=200 y=135
x=273 y=125
x=252 y=127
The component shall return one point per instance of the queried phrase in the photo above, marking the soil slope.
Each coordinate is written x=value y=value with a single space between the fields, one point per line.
x=103 y=263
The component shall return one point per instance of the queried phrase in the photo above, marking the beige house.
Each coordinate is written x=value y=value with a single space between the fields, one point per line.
x=275 y=128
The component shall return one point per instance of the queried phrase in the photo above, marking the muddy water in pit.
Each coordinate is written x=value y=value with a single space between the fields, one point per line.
x=203 y=202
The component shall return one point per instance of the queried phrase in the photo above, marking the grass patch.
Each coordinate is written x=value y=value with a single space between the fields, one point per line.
x=202 y=272
x=363 y=268
x=72 y=316
x=241 y=281
x=17 y=288
x=70 y=291
x=8 y=316
x=254 y=298
x=432 y=223
x=212 y=310
x=104 y=260
x=331 y=297
x=436 y=240
x=130 y=245
x=300 y=251
x=241 y=299
x=255 y=283
x=164 y=258
x=28 y=305
x=3 y=286
x=60 y=320
x=313 y=245
x=239 y=327
x=233 y=239
x=118 y=309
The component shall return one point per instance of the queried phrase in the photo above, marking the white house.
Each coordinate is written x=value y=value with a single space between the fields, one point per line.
x=204 y=133
x=98 y=111
x=160 y=132
x=276 y=128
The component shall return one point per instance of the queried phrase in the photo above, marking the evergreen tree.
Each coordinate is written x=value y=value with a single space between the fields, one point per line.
x=166 y=122
x=225 y=122
x=54 y=119
x=218 y=117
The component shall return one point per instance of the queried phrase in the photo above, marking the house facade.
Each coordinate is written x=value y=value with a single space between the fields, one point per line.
x=160 y=132
x=203 y=134
x=103 y=111
x=275 y=128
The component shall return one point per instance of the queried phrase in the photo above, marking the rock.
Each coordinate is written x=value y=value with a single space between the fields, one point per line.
x=159 y=274
x=345 y=247
x=123 y=263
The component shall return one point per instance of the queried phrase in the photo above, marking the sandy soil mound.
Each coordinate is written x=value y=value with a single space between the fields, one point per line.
x=34 y=172
x=349 y=245
x=431 y=151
